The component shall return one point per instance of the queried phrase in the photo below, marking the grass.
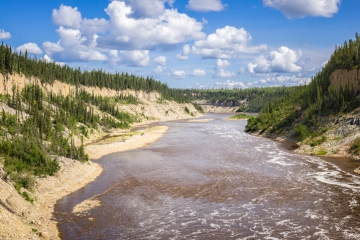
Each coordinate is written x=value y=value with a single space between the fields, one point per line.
x=355 y=147
x=321 y=152
x=240 y=117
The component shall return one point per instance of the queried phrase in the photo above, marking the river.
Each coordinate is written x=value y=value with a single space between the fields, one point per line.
x=214 y=181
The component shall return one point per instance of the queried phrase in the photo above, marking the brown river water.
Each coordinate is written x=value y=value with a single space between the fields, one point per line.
x=214 y=181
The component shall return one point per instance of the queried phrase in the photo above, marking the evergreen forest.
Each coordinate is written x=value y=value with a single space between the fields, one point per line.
x=306 y=108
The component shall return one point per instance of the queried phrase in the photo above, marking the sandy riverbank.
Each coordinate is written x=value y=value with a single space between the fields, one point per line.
x=22 y=220
x=125 y=141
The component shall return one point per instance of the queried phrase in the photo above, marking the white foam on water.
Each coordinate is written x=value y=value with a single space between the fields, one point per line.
x=185 y=224
x=215 y=225
x=283 y=222
x=321 y=234
x=354 y=203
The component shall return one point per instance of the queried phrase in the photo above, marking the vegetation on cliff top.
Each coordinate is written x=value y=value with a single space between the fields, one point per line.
x=241 y=117
x=304 y=109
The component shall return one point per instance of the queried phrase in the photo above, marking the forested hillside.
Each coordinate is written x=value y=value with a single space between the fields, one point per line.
x=247 y=100
x=12 y=62
x=38 y=125
x=305 y=113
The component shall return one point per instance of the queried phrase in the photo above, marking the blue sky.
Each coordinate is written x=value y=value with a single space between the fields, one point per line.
x=185 y=43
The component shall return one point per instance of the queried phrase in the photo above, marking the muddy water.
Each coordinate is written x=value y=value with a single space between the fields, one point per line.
x=213 y=181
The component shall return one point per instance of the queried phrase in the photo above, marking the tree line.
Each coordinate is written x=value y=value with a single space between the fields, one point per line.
x=21 y=63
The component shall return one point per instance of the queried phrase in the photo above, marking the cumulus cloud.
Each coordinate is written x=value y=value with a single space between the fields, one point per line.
x=52 y=47
x=169 y=28
x=84 y=39
x=303 y=8
x=206 y=5
x=158 y=70
x=220 y=72
x=283 y=60
x=222 y=63
x=73 y=46
x=231 y=84
x=185 y=53
x=67 y=16
x=148 y=9
x=161 y=60
x=178 y=74
x=4 y=35
x=30 y=47
x=286 y=80
x=136 y=58
x=198 y=73
x=226 y=42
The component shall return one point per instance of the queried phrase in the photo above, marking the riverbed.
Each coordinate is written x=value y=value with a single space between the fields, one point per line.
x=211 y=180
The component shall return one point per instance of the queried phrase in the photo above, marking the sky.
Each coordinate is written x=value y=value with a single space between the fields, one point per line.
x=185 y=43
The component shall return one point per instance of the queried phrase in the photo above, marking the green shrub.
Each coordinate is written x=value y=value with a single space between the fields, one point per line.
x=301 y=132
x=187 y=110
x=322 y=152
x=355 y=147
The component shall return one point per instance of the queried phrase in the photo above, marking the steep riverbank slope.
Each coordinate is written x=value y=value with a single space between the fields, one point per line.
x=26 y=213
x=324 y=116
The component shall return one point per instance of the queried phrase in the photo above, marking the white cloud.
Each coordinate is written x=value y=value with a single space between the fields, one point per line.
x=4 y=35
x=198 y=73
x=167 y=29
x=93 y=26
x=158 y=70
x=84 y=39
x=47 y=58
x=226 y=42
x=283 y=60
x=72 y=46
x=178 y=74
x=303 y=8
x=161 y=60
x=67 y=16
x=262 y=65
x=231 y=84
x=219 y=69
x=222 y=63
x=206 y=5
x=221 y=73
x=185 y=53
x=52 y=47
x=148 y=9
x=113 y=58
x=286 y=80
x=136 y=58
x=30 y=47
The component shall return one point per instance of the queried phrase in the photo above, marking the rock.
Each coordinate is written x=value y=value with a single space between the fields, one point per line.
x=357 y=171
x=44 y=234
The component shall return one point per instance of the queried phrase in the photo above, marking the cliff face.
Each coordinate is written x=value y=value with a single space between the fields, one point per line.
x=150 y=107
x=342 y=78
x=220 y=106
